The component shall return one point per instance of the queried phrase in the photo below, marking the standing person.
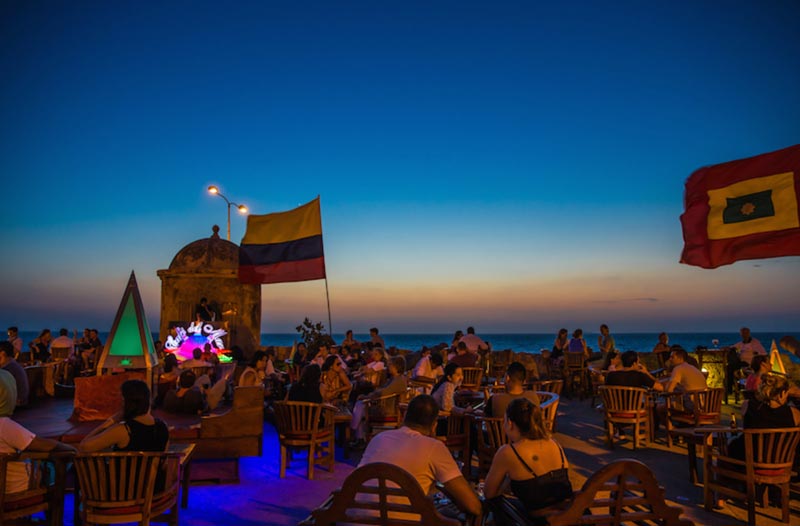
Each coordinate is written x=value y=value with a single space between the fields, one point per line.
x=376 y=338
x=474 y=342
x=662 y=349
x=534 y=464
x=748 y=347
x=560 y=345
x=350 y=343
x=605 y=342
x=15 y=340
x=8 y=363
x=15 y=438
x=203 y=312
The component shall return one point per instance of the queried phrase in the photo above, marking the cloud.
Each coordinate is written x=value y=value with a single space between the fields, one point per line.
x=628 y=300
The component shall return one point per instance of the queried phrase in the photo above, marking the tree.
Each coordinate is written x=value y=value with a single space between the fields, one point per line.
x=314 y=335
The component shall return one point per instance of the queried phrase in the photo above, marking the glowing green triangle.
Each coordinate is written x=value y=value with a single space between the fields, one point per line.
x=130 y=343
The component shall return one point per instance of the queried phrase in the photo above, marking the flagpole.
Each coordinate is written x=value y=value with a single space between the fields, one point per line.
x=328 y=296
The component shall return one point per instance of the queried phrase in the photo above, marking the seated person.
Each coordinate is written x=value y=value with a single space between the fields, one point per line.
x=429 y=367
x=611 y=361
x=188 y=399
x=414 y=448
x=14 y=438
x=515 y=388
x=684 y=377
x=307 y=388
x=534 y=466
x=8 y=363
x=335 y=386
x=768 y=410
x=633 y=374
x=133 y=428
x=40 y=347
x=396 y=384
x=463 y=357
x=254 y=372
x=196 y=361
x=759 y=365
x=445 y=390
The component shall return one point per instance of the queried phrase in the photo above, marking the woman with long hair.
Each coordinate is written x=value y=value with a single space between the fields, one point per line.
x=532 y=462
x=131 y=429
x=306 y=389
x=335 y=386
x=444 y=391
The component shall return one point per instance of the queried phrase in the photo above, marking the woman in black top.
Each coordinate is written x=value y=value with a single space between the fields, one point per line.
x=534 y=464
x=133 y=428
x=306 y=389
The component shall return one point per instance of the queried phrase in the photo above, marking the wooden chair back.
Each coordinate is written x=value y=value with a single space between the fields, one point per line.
x=549 y=404
x=490 y=437
x=34 y=499
x=379 y=494
x=625 y=405
x=550 y=386
x=623 y=492
x=706 y=409
x=308 y=426
x=59 y=353
x=472 y=378
x=120 y=487
x=382 y=413
x=574 y=360
x=768 y=459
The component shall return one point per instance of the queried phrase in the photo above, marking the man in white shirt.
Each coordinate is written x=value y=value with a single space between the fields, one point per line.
x=474 y=343
x=62 y=342
x=749 y=347
x=14 y=438
x=414 y=448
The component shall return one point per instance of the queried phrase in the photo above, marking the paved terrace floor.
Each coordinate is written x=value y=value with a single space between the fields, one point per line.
x=262 y=498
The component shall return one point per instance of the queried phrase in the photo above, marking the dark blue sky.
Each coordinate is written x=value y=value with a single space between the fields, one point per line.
x=509 y=164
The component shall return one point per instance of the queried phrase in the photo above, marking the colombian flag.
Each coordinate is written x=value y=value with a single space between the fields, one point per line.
x=283 y=247
x=745 y=209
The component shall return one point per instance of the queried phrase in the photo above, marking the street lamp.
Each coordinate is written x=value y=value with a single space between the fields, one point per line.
x=213 y=190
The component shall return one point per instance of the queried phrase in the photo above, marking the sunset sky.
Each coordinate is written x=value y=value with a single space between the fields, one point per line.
x=507 y=165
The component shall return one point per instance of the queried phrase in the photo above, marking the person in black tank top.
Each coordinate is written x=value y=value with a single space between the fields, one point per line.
x=536 y=481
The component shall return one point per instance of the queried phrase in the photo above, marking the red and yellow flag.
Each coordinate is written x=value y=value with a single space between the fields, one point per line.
x=744 y=209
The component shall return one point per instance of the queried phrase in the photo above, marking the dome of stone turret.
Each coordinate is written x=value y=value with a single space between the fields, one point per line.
x=207 y=254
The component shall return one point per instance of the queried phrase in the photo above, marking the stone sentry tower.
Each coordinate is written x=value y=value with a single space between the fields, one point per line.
x=208 y=268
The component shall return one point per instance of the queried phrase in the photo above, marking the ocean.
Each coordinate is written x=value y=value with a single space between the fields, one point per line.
x=533 y=342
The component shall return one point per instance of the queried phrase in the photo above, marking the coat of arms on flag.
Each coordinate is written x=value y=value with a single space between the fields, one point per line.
x=745 y=209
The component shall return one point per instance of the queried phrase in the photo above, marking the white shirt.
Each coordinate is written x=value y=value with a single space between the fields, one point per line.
x=15 y=438
x=474 y=343
x=63 y=341
x=748 y=350
x=426 y=459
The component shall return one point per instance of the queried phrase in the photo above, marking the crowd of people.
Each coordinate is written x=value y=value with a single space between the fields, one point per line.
x=526 y=476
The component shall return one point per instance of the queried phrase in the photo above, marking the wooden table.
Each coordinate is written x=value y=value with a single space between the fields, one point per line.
x=185 y=451
x=698 y=436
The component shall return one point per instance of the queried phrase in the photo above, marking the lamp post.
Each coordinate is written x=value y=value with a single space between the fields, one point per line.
x=213 y=190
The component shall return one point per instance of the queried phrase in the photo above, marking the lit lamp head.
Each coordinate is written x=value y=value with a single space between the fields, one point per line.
x=242 y=209
x=213 y=190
